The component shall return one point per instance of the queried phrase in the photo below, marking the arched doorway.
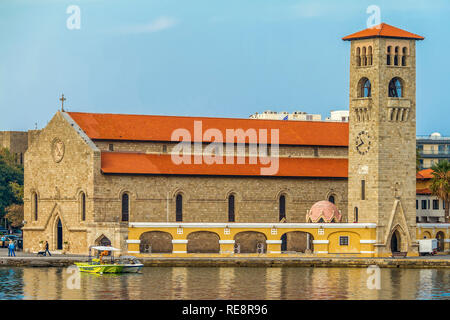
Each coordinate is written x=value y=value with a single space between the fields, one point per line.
x=103 y=241
x=203 y=242
x=250 y=241
x=59 y=235
x=440 y=239
x=395 y=241
x=297 y=241
x=155 y=242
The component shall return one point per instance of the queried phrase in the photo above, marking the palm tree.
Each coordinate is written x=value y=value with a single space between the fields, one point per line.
x=440 y=185
x=418 y=158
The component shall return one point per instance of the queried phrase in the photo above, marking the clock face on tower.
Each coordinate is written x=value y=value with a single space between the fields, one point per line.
x=363 y=142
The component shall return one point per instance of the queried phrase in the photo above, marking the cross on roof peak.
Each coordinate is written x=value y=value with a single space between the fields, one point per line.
x=62 y=99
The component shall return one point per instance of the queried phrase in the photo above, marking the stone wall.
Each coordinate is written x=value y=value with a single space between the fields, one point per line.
x=16 y=142
x=388 y=168
x=205 y=199
x=167 y=147
x=59 y=184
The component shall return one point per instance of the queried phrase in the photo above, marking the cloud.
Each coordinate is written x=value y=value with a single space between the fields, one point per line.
x=157 y=25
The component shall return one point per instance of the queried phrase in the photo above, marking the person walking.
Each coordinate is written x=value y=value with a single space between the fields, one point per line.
x=3 y=241
x=46 y=249
x=11 y=249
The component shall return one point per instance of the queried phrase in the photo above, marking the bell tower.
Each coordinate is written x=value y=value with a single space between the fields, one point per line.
x=382 y=138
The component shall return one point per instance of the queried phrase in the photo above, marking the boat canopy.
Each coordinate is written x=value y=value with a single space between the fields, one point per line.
x=104 y=248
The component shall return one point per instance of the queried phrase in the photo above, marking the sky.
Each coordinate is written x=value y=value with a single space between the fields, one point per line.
x=203 y=57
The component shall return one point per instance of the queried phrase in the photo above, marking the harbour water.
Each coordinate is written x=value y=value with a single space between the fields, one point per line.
x=225 y=283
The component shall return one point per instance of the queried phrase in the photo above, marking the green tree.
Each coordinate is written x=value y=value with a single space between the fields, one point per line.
x=11 y=181
x=418 y=158
x=14 y=212
x=440 y=184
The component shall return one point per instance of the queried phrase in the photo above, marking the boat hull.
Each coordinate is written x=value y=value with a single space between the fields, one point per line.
x=132 y=268
x=99 y=268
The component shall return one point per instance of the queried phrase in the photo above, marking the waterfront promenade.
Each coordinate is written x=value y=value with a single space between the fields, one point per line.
x=59 y=260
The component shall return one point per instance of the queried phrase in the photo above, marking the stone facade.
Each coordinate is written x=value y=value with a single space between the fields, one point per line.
x=389 y=123
x=59 y=183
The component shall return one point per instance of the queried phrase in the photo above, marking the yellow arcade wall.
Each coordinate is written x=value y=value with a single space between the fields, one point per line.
x=362 y=237
x=431 y=231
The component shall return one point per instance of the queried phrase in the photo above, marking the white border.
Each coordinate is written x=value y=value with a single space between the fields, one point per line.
x=226 y=241
x=253 y=225
x=274 y=241
x=433 y=225
x=179 y=241
x=321 y=241
x=134 y=241
x=368 y=241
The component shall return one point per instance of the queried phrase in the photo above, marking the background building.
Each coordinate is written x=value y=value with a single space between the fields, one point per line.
x=429 y=208
x=433 y=149
x=17 y=142
x=337 y=116
x=284 y=115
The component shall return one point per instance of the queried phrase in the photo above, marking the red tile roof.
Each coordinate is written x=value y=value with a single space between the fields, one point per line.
x=153 y=164
x=425 y=174
x=383 y=31
x=425 y=191
x=160 y=128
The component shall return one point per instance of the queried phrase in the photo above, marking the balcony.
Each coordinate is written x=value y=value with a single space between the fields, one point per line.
x=430 y=139
x=362 y=103
x=398 y=103
x=435 y=153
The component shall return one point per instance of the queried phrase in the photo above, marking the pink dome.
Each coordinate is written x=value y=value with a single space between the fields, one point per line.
x=325 y=210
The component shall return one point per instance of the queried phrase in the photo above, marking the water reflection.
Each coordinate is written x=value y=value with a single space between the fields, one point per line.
x=226 y=283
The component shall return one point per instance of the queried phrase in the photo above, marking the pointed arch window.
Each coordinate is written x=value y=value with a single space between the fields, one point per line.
x=83 y=206
x=282 y=207
x=231 y=213
x=125 y=207
x=59 y=235
x=35 y=206
x=395 y=88
x=179 y=208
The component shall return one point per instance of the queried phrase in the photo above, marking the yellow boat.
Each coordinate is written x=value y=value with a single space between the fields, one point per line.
x=100 y=268
x=98 y=265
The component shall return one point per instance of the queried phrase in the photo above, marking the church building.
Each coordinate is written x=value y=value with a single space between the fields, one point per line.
x=180 y=186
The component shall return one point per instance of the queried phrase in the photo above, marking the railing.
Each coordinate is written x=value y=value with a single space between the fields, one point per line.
x=422 y=137
x=437 y=153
